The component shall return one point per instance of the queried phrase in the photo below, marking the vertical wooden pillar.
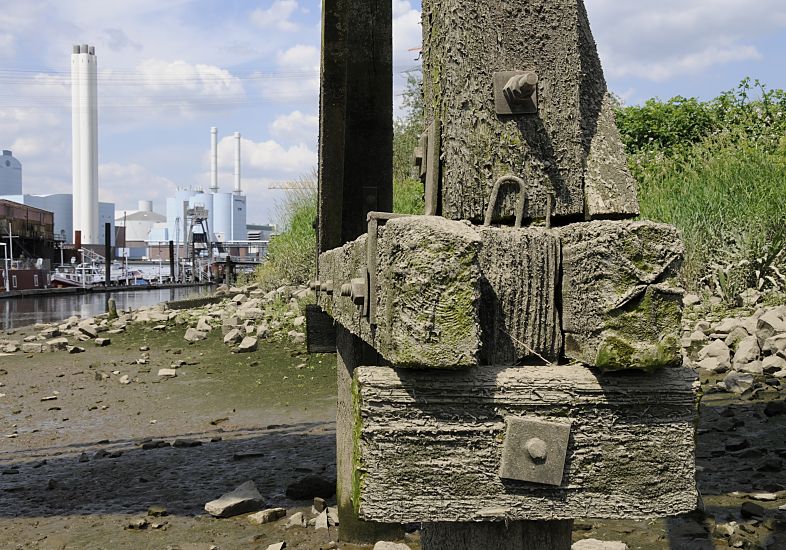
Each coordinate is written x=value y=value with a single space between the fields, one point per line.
x=355 y=177
x=108 y=253
x=172 y=261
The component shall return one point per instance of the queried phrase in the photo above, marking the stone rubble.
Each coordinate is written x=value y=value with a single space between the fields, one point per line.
x=245 y=498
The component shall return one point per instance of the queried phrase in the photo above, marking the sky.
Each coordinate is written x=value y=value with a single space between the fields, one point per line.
x=171 y=69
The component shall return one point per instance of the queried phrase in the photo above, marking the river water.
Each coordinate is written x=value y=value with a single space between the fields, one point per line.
x=28 y=310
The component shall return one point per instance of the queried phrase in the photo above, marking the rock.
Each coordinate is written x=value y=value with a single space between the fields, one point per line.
x=298 y=322
x=57 y=344
x=690 y=300
x=748 y=350
x=752 y=510
x=775 y=408
x=167 y=373
x=718 y=354
x=138 y=524
x=735 y=337
x=726 y=326
x=102 y=342
x=754 y=367
x=194 y=335
x=332 y=515
x=233 y=337
x=737 y=382
x=296 y=520
x=157 y=511
x=248 y=345
x=595 y=544
x=322 y=521
x=204 y=324
x=252 y=314
x=384 y=545
x=769 y=324
x=764 y=497
x=76 y=349
x=125 y=379
x=319 y=505
x=311 y=486
x=712 y=364
x=737 y=444
x=244 y=499
x=239 y=298
x=11 y=348
x=277 y=546
x=263 y=331
x=88 y=329
x=267 y=516
x=32 y=347
x=297 y=337
x=773 y=364
x=186 y=443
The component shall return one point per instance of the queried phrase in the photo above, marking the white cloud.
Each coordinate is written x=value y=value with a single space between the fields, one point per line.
x=276 y=16
x=7 y=45
x=297 y=127
x=301 y=85
x=673 y=38
x=267 y=158
x=407 y=34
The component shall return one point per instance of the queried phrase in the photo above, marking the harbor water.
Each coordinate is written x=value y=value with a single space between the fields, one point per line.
x=28 y=310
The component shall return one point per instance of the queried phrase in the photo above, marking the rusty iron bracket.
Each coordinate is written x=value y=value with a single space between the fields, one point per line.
x=534 y=450
x=515 y=92
x=374 y=219
x=495 y=195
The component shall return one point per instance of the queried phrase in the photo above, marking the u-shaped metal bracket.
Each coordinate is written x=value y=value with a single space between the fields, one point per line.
x=495 y=195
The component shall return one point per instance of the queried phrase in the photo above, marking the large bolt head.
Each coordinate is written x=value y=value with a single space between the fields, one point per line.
x=537 y=449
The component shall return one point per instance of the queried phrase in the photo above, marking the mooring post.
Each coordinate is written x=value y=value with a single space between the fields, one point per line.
x=172 y=262
x=355 y=177
x=108 y=254
x=477 y=380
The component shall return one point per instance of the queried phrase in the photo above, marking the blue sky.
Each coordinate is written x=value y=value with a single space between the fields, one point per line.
x=171 y=69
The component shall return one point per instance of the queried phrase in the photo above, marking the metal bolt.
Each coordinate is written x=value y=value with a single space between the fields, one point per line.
x=520 y=88
x=358 y=291
x=346 y=289
x=315 y=285
x=327 y=287
x=537 y=449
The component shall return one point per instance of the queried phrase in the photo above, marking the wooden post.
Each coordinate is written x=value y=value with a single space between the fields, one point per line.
x=172 y=261
x=108 y=254
x=355 y=177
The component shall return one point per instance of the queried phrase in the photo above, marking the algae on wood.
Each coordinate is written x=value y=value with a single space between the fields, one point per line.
x=621 y=300
x=427 y=292
x=630 y=454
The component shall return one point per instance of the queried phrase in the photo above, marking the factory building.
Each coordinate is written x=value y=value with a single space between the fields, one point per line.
x=10 y=174
x=136 y=228
x=61 y=205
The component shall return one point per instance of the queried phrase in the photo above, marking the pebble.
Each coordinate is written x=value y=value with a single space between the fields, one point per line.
x=167 y=373
x=267 y=516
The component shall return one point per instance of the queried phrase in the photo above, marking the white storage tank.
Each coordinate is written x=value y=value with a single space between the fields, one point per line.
x=222 y=216
x=204 y=200
x=174 y=214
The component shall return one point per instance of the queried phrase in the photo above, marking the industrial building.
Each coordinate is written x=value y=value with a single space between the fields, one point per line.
x=10 y=174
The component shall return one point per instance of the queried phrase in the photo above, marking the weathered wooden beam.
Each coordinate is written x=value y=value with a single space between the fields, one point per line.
x=570 y=145
x=519 y=312
x=427 y=292
x=630 y=452
x=621 y=300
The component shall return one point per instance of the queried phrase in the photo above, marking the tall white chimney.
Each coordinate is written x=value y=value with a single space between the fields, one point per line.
x=84 y=137
x=238 y=189
x=214 y=159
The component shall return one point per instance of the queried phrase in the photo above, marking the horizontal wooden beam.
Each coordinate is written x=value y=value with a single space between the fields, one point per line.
x=630 y=452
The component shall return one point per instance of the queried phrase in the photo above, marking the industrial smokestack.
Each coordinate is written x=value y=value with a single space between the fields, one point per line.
x=84 y=135
x=238 y=189
x=214 y=159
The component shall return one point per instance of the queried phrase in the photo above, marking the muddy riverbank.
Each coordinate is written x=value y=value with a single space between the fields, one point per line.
x=86 y=446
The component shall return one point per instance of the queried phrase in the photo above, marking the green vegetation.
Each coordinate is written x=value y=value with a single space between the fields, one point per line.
x=717 y=171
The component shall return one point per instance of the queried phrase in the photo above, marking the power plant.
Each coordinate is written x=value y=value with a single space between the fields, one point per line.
x=84 y=137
